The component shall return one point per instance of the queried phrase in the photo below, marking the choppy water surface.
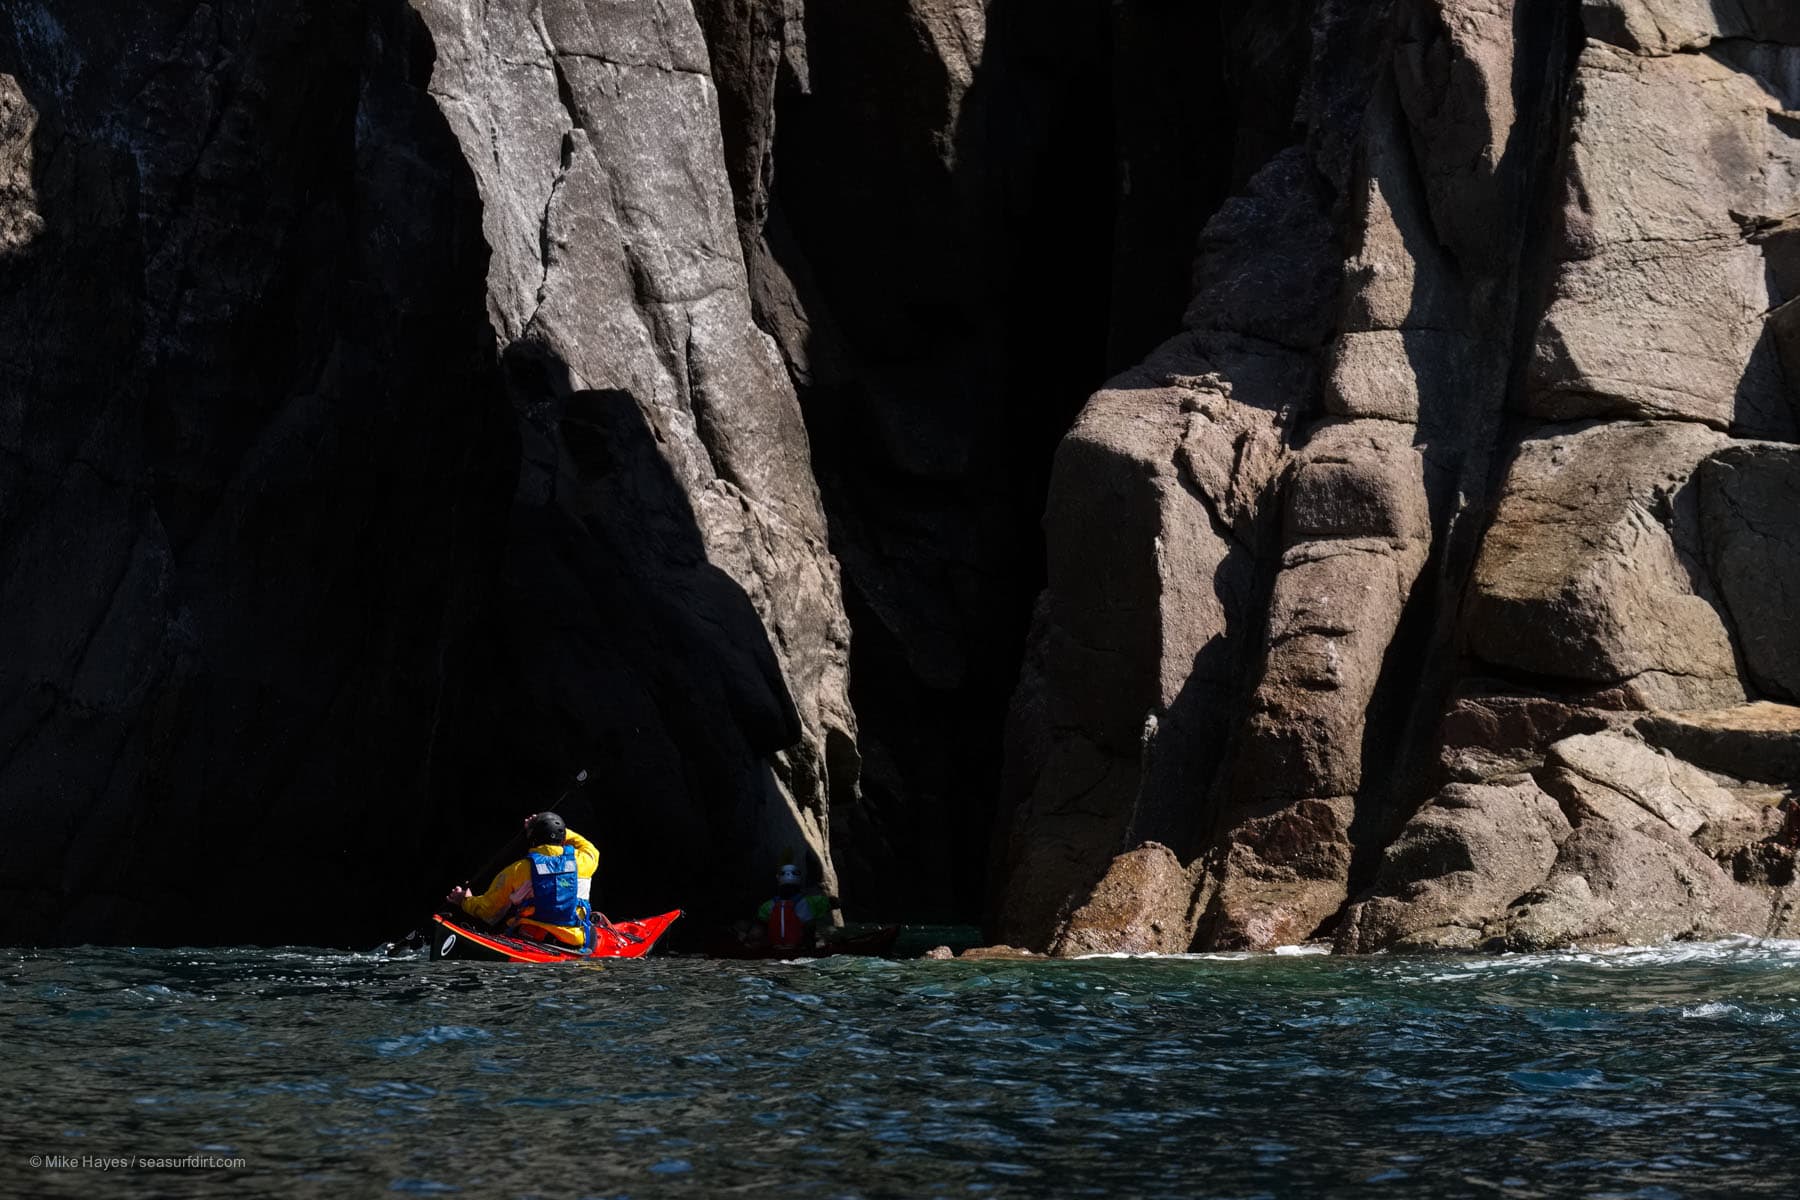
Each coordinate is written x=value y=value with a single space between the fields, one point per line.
x=1649 y=1073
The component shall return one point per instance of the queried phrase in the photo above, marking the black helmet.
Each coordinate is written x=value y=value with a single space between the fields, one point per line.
x=545 y=827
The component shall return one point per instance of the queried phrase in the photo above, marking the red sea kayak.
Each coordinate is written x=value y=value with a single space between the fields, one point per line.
x=459 y=937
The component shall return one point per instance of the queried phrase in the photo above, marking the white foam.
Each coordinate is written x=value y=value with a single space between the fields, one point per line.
x=1304 y=951
x=1724 y=950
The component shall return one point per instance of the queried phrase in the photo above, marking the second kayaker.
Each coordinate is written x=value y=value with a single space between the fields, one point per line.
x=790 y=918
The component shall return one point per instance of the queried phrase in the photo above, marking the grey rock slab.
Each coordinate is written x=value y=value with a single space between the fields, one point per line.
x=1624 y=779
x=1580 y=576
x=593 y=130
x=1659 y=300
x=1631 y=885
x=1759 y=741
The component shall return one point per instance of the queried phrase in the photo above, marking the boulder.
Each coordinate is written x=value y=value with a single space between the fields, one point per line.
x=1584 y=577
x=1487 y=736
x=1611 y=842
x=1279 y=876
x=1457 y=864
x=1619 y=779
x=1142 y=905
x=1630 y=885
x=1640 y=867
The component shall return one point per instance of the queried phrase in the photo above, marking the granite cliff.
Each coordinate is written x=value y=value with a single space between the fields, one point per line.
x=1435 y=599
x=1170 y=476
x=386 y=435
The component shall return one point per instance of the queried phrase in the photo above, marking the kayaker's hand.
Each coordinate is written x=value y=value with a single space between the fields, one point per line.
x=457 y=895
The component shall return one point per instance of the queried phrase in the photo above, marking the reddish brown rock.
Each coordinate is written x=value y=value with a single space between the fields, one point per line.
x=1143 y=905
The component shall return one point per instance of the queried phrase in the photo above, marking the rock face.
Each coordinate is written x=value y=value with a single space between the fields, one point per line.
x=384 y=434
x=255 y=467
x=1748 y=498
x=669 y=552
x=1297 y=469
x=1536 y=521
x=1582 y=574
x=1658 y=298
x=1159 y=514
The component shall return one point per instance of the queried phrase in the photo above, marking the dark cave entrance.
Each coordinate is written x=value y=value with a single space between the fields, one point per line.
x=977 y=246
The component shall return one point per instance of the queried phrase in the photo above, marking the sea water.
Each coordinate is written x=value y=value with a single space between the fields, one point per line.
x=1651 y=1073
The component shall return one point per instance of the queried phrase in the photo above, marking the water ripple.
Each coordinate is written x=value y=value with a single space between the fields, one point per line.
x=1672 y=1071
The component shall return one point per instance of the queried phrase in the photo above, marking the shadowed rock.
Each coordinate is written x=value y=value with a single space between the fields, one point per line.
x=1749 y=498
x=385 y=434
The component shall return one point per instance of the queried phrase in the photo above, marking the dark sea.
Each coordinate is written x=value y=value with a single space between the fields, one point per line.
x=1654 y=1073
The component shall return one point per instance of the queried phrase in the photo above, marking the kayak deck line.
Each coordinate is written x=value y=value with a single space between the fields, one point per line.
x=456 y=937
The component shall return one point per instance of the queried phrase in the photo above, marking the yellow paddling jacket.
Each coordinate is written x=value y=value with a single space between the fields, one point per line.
x=510 y=895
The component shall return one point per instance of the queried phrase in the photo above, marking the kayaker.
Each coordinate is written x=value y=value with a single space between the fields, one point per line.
x=789 y=918
x=546 y=894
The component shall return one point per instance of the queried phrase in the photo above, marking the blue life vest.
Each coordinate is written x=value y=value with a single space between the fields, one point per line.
x=559 y=896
